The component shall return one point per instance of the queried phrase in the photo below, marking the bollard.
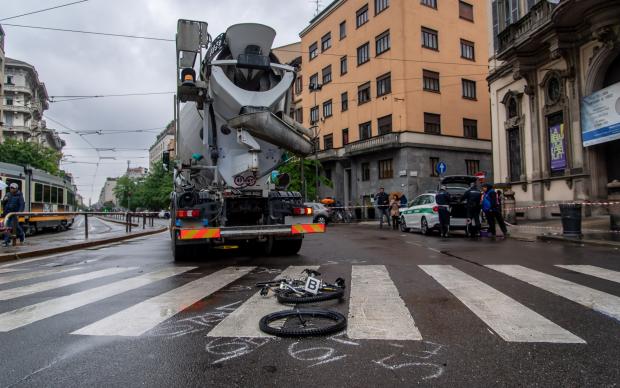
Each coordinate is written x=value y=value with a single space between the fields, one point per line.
x=144 y=221
x=14 y=236
x=86 y=226
x=126 y=223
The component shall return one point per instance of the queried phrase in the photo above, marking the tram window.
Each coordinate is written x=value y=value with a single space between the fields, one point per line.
x=38 y=192
x=61 y=196
x=54 y=195
x=47 y=194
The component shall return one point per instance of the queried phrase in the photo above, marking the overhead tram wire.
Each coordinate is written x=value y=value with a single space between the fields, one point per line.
x=90 y=32
x=43 y=10
x=53 y=99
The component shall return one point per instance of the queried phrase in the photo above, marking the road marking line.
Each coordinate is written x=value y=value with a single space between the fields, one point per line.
x=596 y=300
x=34 y=274
x=511 y=320
x=49 y=308
x=30 y=289
x=607 y=274
x=434 y=250
x=243 y=322
x=376 y=310
x=7 y=270
x=142 y=317
x=19 y=262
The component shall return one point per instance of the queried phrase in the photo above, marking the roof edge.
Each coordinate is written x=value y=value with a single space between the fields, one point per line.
x=322 y=15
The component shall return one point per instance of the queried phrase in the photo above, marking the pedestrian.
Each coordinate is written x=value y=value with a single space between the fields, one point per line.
x=472 y=198
x=395 y=211
x=492 y=211
x=403 y=200
x=443 y=203
x=383 y=203
x=13 y=203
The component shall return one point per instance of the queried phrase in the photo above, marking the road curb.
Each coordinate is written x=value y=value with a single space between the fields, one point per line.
x=117 y=221
x=75 y=247
x=600 y=243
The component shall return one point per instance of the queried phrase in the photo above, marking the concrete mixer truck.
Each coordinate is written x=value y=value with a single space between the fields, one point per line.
x=233 y=133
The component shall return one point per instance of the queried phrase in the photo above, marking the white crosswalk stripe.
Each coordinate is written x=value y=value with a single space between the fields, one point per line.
x=607 y=274
x=142 y=317
x=376 y=311
x=30 y=289
x=26 y=315
x=511 y=320
x=243 y=322
x=596 y=300
x=35 y=274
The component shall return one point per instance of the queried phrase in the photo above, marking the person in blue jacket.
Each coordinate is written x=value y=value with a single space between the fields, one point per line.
x=13 y=203
x=443 y=203
x=492 y=210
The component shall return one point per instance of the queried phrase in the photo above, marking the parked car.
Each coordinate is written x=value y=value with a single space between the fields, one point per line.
x=322 y=214
x=164 y=214
x=423 y=213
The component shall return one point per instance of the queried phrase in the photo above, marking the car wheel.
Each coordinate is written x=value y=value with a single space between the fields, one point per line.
x=424 y=227
x=403 y=225
x=321 y=220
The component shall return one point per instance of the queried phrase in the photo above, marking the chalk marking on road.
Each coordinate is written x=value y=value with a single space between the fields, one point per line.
x=324 y=355
x=376 y=310
x=195 y=323
x=599 y=301
x=231 y=348
x=511 y=320
x=243 y=322
x=439 y=368
x=34 y=274
x=26 y=315
x=142 y=317
x=603 y=273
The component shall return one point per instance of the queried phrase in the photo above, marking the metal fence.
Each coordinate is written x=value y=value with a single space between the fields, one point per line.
x=128 y=218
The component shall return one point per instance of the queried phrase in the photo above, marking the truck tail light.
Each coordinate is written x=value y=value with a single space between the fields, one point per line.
x=435 y=209
x=302 y=211
x=188 y=213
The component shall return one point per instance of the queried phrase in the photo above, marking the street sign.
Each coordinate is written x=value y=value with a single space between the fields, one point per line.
x=441 y=168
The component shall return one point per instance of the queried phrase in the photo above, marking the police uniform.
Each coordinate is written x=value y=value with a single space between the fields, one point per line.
x=443 y=202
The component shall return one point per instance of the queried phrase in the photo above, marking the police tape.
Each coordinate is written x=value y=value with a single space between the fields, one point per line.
x=557 y=204
x=558 y=228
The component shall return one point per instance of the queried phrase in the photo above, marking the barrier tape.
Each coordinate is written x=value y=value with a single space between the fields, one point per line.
x=508 y=208
x=559 y=228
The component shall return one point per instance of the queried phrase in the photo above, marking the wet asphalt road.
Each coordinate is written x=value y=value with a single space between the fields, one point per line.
x=457 y=347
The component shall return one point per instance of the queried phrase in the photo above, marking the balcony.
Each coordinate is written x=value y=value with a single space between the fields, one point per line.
x=17 y=109
x=520 y=32
x=17 y=89
x=386 y=141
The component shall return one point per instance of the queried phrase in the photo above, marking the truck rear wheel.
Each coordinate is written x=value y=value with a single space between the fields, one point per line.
x=286 y=247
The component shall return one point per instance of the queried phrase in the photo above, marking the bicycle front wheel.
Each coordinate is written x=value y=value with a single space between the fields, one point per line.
x=295 y=297
x=303 y=323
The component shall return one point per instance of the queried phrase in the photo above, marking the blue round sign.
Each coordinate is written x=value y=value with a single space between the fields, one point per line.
x=441 y=168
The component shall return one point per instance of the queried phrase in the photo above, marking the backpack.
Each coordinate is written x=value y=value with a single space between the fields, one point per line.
x=486 y=202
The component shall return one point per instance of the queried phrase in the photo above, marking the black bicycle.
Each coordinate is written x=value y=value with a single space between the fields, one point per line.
x=303 y=322
x=294 y=291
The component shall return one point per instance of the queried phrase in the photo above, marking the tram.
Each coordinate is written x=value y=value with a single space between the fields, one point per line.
x=43 y=192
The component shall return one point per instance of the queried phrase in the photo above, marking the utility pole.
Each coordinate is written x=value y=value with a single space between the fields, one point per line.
x=128 y=188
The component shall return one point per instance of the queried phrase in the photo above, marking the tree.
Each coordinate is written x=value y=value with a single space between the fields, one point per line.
x=33 y=154
x=292 y=168
x=125 y=188
x=152 y=192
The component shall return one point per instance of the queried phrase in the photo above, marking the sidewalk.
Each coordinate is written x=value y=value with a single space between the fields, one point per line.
x=595 y=231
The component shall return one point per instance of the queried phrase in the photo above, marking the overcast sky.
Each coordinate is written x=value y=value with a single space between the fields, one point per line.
x=78 y=64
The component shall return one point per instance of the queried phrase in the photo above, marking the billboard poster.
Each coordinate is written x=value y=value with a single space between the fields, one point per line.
x=557 y=147
x=600 y=116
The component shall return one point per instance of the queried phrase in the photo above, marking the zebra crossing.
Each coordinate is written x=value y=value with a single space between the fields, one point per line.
x=376 y=310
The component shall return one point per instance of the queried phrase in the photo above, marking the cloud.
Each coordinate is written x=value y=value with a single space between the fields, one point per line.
x=78 y=64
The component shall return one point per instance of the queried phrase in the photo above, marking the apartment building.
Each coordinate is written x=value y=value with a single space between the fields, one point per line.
x=392 y=88
x=163 y=143
x=555 y=101
x=2 y=58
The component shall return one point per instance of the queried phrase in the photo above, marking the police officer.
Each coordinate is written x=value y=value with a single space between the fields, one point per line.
x=443 y=202
x=472 y=198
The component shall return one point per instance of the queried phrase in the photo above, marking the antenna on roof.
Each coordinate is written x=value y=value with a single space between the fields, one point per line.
x=318 y=5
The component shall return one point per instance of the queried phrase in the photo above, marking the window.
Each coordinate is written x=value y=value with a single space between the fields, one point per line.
x=363 y=54
x=314 y=81
x=433 y=164
x=47 y=194
x=314 y=114
x=470 y=128
x=345 y=136
x=385 y=124
x=467 y=50
x=299 y=85
x=326 y=42
x=365 y=131
x=513 y=110
x=382 y=42
x=430 y=80
x=61 y=196
x=430 y=39
x=432 y=123
x=327 y=74
x=514 y=150
x=316 y=143
x=9 y=101
x=54 y=195
x=363 y=93
x=429 y=3
x=469 y=89
x=328 y=142
x=343 y=66
x=384 y=85
x=495 y=18
x=9 y=80
x=344 y=100
x=472 y=166
x=313 y=50
x=385 y=169
x=38 y=192
x=365 y=171
x=466 y=11
x=299 y=115
x=327 y=108
x=8 y=117
x=361 y=16
x=343 y=30
x=381 y=5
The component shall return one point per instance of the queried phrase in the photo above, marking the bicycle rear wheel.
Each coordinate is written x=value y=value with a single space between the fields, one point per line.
x=303 y=323
x=295 y=297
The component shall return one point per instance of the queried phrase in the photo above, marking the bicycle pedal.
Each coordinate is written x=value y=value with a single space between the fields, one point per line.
x=264 y=291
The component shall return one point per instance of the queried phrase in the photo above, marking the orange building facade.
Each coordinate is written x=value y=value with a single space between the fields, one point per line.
x=393 y=87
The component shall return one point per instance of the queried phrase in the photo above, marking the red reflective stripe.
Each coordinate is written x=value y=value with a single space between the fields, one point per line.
x=193 y=234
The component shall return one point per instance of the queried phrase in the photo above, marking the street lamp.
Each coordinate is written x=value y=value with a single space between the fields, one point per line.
x=315 y=88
